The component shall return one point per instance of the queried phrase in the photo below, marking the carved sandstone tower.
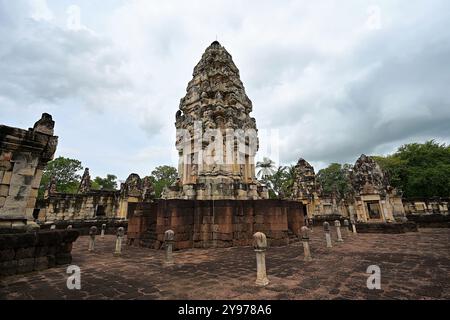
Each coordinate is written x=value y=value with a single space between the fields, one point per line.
x=216 y=136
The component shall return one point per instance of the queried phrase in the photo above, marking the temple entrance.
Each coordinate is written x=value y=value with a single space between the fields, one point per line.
x=100 y=212
x=373 y=207
x=131 y=208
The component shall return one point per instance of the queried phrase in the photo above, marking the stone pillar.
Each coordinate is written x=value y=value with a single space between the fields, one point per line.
x=102 y=234
x=305 y=240
x=311 y=224
x=53 y=227
x=169 y=237
x=92 y=234
x=337 y=224
x=326 y=229
x=69 y=227
x=354 y=226
x=260 y=245
x=120 y=234
x=346 y=226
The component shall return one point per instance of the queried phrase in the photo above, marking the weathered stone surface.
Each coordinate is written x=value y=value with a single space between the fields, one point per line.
x=23 y=155
x=215 y=113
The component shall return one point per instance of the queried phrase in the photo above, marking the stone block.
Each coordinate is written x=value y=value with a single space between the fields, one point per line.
x=25 y=253
x=40 y=263
x=8 y=268
x=2 y=201
x=4 y=190
x=25 y=265
x=63 y=258
x=7 y=255
x=7 y=178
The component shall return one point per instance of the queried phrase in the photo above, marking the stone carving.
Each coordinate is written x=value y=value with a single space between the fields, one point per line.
x=367 y=177
x=51 y=188
x=326 y=229
x=120 y=234
x=45 y=125
x=85 y=184
x=169 y=237
x=305 y=241
x=305 y=184
x=92 y=234
x=260 y=245
x=215 y=102
x=337 y=224
x=148 y=191
x=133 y=186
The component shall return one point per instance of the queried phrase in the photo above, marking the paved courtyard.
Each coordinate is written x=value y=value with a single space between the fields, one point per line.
x=413 y=266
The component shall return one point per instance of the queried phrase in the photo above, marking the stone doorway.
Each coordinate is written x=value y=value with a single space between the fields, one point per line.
x=374 y=210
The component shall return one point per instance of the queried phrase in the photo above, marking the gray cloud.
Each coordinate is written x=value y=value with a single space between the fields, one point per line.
x=332 y=87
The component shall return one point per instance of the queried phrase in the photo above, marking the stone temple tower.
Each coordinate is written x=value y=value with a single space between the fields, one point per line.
x=216 y=136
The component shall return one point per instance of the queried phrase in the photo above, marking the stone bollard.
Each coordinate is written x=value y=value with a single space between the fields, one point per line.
x=169 y=237
x=102 y=233
x=353 y=226
x=120 y=234
x=69 y=227
x=326 y=229
x=346 y=226
x=92 y=234
x=260 y=245
x=337 y=224
x=305 y=240
x=311 y=225
x=53 y=227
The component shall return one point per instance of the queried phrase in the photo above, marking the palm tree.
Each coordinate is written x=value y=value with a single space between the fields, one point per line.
x=266 y=168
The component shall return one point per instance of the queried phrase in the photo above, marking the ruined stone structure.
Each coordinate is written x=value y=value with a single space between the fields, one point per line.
x=216 y=136
x=372 y=199
x=93 y=204
x=23 y=156
x=375 y=200
x=217 y=200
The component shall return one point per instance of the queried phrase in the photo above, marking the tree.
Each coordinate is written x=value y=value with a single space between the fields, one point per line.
x=65 y=171
x=109 y=183
x=335 y=178
x=266 y=168
x=419 y=169
x=163 y=176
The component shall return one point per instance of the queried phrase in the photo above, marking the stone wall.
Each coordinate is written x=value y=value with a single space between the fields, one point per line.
x=23 y=156
x=426 y=206
x=221 y=223
x=26 y=252
x=389 y=228
x=430 y=220
x=83 y=226
x=63 y=206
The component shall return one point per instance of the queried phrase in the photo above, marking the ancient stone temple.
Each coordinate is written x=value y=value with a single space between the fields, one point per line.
x=216 y=136
x=89 y=204
x=305 y=188
x=217 y=200
x=375 y=200
x=23 y=156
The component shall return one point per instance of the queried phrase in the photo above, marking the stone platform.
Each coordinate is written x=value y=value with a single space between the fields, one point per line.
x=215 y=224
x=413 y=266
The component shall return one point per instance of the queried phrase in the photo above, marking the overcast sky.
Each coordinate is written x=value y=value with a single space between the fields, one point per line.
x=334 y=79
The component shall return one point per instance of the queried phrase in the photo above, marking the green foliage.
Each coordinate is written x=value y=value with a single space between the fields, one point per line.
x=109 y=183
x=335 y=178
x=163 y=176
x=266 y=168
x=420 y=170
x=65 y=171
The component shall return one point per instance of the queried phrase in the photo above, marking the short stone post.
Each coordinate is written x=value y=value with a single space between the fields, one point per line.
x=120 y=234
x=102 y=233
x=305 y=240
x=69 y=227
x=346 y=226
x=326 y=229
x=169 y=237
x=354 y=226
x=260 y=245
x=92 y=234
x=311 y=225
x=53 y=227
x=337 y=224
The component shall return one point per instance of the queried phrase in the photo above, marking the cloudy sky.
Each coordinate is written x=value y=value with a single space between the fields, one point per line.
x=330 y=79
